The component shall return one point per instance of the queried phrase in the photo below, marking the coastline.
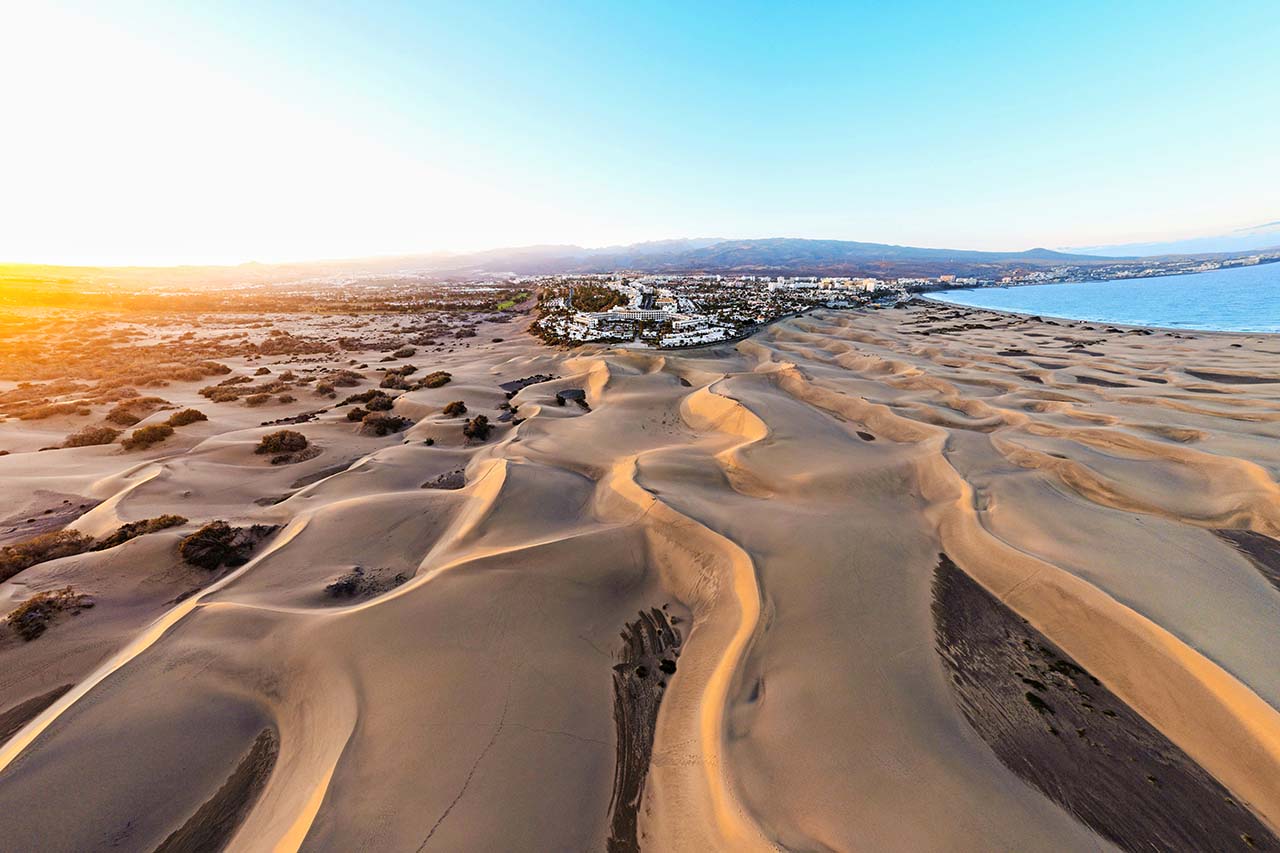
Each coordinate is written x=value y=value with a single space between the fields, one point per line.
x=1027 y=315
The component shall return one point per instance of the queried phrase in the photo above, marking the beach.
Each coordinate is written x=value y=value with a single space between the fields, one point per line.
x=921 y=578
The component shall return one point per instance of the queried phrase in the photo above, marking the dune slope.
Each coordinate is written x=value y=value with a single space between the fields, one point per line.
x=703 y=610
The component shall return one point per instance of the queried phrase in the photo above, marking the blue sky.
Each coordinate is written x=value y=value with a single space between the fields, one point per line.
x=282 y=131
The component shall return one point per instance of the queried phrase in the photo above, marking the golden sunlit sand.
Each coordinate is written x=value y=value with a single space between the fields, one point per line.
x=913 y=579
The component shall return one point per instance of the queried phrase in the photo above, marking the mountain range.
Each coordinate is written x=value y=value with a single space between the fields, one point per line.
x=1264 y=236
x=776 y=255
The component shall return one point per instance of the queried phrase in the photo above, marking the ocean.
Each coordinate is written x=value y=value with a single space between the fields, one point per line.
x=1240 y=299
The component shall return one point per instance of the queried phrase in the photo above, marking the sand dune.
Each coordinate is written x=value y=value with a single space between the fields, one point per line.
x=744 y=598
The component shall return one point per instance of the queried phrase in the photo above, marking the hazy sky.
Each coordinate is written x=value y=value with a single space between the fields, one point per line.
x=145 y=133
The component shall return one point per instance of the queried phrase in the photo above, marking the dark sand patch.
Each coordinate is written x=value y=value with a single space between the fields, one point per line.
x=317 y=476
x=1102 y=383
x=303 y=418
x=12 y=720
x=359 y=583
x=1232 y=378
x=650 y=646
x=44 y=512
x=455 y=479
x=1182 y=434
x=516 y=385
x=213 y=824
x=1262 y=551
x=1057 y=728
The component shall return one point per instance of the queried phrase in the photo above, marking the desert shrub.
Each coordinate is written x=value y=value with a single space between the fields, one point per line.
x=288 y=376
x=30 y=619
x=123 y=415
x=363 y=397
x=91 y=436
x=218 y=394
x=282 y=441
x=186 y=416
x=134 y=529
x=219 y=544
x=454 y=409
x=262 y=371
x=50 y=410
x=257 y=399
x=404 y=352
x=436 y=379
x=342 y=378
x=286 y=398
x=377 y=423
x=398 y=377
x=40 y=549
x=357 y=413
x=325 y=389
x=128 y=412
x=477 y=428
x=147 y=436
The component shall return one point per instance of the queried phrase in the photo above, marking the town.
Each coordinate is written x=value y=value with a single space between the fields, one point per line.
x=683 y=310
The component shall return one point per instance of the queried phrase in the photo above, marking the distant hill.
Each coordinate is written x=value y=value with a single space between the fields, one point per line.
x=778 y=255
x=770 y=256
x=1255 y=237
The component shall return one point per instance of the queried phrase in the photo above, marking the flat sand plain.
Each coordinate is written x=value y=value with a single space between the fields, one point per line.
x=928 y=578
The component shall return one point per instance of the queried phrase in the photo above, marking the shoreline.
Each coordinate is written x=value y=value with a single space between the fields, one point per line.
x=1029 y=316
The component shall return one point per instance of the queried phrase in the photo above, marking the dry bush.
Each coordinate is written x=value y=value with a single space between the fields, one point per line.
x=436 y=379
x=342 y=378
x=134 y=529
x=287 y=398
x=398 y=377
x=40 y=549
x=282 y=441
x=186 y=416
x=454 y=409
x=50 y=410
x=91 y=437
x=219 y=544
x=262 y=371
x=122 y=415
x=128 y=412
x=379 y=424
x=477 y=428
x=31 y=618
x=357 y=413
x=374 y=400
x=147 y=436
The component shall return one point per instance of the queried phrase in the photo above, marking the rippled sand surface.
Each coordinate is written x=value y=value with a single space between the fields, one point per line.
x=908 y=579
